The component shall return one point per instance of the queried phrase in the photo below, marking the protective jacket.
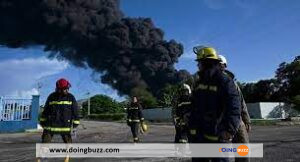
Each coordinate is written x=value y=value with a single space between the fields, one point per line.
x=134 y=113
x=244 y=114
x=216 y=104
x=60 y=113
x=182 y=110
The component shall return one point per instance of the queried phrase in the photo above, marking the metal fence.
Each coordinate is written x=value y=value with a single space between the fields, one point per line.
x=15 y=109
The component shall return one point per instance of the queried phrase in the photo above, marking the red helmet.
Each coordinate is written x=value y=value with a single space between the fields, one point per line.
x=63 y=84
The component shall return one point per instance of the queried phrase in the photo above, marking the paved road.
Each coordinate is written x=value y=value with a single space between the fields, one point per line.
x=281 y=143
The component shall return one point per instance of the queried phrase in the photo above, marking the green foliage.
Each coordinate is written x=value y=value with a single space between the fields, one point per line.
x=288 y=74
x=40 y=112
x=145 y=97
x=168 y=95
x=296 y=102
x=102 y=104
x=264 y=122
x=262 y=91
x=110 y=117
x=285 y=87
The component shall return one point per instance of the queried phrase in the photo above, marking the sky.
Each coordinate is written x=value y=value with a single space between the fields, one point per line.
x=254 y=35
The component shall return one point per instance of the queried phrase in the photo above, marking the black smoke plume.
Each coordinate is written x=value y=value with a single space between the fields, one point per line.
x=129 y=52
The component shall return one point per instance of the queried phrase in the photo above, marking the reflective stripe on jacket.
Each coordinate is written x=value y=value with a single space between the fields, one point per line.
x=134 y=112
x=60 y=113
x=216 y=104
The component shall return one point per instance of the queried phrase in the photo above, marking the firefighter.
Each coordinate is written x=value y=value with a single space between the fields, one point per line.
x=60 y=113
x=134 y=117
x=215 y=115
x=242 y=133
x=181 y=114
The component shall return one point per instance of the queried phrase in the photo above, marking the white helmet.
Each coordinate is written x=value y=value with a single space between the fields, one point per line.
x=223 y=60
x=187 y=87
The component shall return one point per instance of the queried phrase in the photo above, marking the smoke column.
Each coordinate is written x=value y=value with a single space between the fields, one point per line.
x=128 y=52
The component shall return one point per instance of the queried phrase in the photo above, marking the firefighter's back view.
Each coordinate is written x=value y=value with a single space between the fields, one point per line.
x=60 y=113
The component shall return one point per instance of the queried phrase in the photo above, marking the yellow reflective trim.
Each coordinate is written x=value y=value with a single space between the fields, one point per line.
x=76 y=122
x=42 y=119
x=53 y=129
x=193 y=131
x=213 y=88
x=133 y=108
x=212 y=138
x=202 y=86
x=60 y=103
x=207 y=87
x=182 y=141
x=184 y=103
x=181 y=123
x=136 y=120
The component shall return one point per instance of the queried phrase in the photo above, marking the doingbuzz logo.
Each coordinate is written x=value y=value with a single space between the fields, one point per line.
x=242 y=150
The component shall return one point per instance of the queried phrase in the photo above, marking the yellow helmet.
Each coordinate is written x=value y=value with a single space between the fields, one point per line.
x=204 y=52
x=144 y=127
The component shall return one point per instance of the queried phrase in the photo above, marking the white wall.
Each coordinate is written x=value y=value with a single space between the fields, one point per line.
x=157 y=114
x=265 y=110
x=259 y=110
x=271 y=109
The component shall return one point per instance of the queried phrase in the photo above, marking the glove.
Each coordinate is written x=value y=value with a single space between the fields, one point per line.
x=226 y=137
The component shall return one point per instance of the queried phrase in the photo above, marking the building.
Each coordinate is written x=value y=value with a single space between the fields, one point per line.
x=18 y=114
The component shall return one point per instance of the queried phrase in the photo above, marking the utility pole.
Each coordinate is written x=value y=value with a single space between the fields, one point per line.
x=89 y=103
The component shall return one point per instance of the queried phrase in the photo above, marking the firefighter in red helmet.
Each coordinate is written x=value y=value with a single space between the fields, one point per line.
x=60 y=113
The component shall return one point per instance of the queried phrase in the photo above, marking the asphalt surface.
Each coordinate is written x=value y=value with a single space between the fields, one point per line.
x=281 y=143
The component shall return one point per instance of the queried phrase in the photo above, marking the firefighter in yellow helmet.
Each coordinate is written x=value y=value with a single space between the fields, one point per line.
x=60 y=113
x=215 y=115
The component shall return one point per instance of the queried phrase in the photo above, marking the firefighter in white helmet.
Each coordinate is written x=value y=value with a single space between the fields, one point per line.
x=242 y=134
x=181 y=113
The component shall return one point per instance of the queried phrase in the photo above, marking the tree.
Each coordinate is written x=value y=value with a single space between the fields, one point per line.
x=146 y=99
x=261 y=91
x=168 y=95
x=285 y=87
x=102 y=104
x=288 y=75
